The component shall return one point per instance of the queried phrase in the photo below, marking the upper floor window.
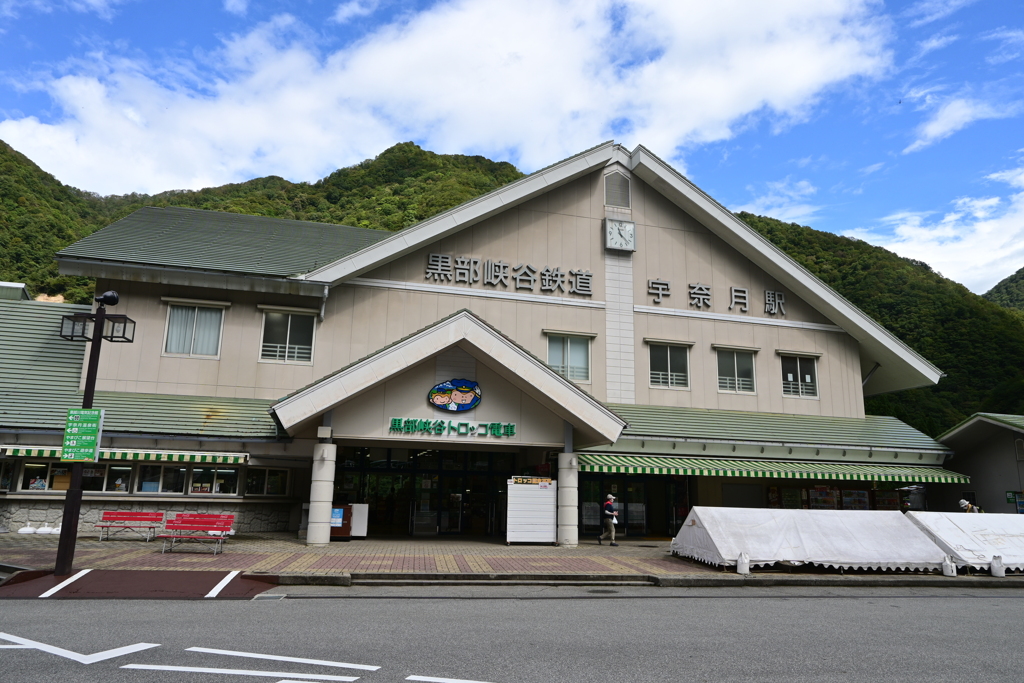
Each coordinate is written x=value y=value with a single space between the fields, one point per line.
x=194 y=330
x=735 y=370
x=616 y=190
x=287 y=336
x=570 y=356
x=669 y=366
x=798 y=376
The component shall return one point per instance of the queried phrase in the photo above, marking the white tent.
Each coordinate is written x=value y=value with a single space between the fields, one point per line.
x=973 y=539
x=850 y=539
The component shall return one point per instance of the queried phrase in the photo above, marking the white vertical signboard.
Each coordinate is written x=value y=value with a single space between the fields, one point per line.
x=532 y=510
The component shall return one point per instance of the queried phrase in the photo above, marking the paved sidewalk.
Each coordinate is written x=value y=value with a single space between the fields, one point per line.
x=283 y=553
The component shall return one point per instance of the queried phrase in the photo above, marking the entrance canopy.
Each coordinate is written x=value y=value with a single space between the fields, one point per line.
x=973 y=539
x=217 y=458
x=851 y=539
x=772 y=469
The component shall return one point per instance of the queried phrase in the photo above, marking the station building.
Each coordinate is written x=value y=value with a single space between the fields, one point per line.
x=601 y=321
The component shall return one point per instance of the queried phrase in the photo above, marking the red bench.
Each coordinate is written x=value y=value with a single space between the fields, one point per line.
x=130 y=521
x=197 y=529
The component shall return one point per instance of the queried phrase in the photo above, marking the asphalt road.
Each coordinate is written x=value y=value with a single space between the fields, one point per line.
x=529 y=634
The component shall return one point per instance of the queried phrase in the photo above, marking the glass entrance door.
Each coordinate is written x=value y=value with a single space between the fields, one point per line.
x=388 y=497
x=452 y=494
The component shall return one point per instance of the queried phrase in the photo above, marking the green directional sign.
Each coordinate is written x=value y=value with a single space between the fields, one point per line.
x=82 y=434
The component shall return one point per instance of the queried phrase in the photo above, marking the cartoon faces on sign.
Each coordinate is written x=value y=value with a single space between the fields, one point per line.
x=455 y=394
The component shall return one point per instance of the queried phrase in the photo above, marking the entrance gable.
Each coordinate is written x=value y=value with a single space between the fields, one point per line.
x=594 y=423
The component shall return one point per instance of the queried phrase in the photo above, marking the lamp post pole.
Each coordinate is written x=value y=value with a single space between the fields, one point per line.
x=73 y=496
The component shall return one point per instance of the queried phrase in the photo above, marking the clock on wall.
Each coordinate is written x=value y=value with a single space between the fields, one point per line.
x=619 y=235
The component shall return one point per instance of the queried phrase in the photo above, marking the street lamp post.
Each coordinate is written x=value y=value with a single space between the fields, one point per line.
x=93 y=327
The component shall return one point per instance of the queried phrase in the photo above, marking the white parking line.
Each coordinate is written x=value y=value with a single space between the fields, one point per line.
x=240 y=672
x=280 y=658
x=220 y=586
x=431 y=679
x=66 y=582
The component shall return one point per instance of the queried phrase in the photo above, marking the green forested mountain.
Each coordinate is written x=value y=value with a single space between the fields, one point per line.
x=1009 y=293
x=976 y=342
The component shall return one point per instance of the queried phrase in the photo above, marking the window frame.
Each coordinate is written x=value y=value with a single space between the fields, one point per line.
x=651 y=343
x=752 y=351
x=197 y=304
x=266 y=482
x=566 y=336
x=290 y=311
x=239 y=479
x=800 y=357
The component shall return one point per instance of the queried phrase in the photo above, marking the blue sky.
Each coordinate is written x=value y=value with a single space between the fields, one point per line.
x=899 y=123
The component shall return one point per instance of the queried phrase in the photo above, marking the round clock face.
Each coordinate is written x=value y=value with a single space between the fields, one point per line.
x=620 y=234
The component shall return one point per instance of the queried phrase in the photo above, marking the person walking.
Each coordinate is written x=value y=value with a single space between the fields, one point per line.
x=967 y=506
x=608 y=515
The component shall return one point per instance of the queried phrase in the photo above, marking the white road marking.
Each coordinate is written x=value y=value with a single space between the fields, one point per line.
x=220 y=586
x=240 y=672
x=16 y=647
x=431 y=679
x=280 y=658
x=66 y=582
x=81 y=659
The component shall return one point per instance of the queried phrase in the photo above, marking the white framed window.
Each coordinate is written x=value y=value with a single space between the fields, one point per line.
x=736 y=370
x=569 y=356
x=670 y=365
x=194 y=327
x=162 y=478
x=287 y=335
x=214 y=479
x=799 y=376
x=616 y=190
x=262 y=481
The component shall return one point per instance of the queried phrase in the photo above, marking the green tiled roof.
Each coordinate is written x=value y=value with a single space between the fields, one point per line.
x=874 y=431
x=967 y=427
x=770 y=469
x=220 y=241
x=39 y=374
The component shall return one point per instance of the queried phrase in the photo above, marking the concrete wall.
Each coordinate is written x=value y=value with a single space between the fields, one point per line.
x=992 y=465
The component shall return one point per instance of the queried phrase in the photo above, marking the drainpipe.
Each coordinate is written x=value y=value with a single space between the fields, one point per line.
x=321 y=491
x=568 y=493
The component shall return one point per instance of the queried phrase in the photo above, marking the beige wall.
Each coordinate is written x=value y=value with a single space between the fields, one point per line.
x=368 y=415
x=561 y=228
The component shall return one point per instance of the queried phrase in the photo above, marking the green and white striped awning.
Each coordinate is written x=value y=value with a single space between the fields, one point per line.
x=769 y=469
x=136 y=456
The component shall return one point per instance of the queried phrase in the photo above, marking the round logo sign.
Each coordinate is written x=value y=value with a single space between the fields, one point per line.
x=455 y=394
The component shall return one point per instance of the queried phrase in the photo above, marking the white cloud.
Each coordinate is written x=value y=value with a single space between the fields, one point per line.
x=1011 y=45
x=955 y=115
x=354 y=8
x=978 y=242
x=532 y=81
x=927 y=11
x=239 y=7
x=785 y=200
x=103 y=8
x=868 y=170
x=936 y=42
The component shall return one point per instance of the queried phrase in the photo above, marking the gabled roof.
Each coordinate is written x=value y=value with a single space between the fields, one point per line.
x=971 y=424
x=480 y=339
x=899 y=366
x=218 y=241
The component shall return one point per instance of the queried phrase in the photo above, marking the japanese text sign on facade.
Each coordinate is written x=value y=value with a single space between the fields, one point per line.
x=412 y=426
x=659 y=288
x=455 y=269
x=82 y=433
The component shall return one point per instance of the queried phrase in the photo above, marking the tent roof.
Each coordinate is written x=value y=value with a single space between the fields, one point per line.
x=974 y=539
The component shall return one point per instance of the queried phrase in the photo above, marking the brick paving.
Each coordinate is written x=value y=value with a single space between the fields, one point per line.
x=281 y=553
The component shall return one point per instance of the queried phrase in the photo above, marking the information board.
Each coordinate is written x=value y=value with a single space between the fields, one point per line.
x=82 y=433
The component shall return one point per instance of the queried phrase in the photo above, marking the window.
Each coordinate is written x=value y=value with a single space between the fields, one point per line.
x=798 y=376
x=570 y=357
x=214 y=480
x=119 y=478
x=193 y=330
x=735 y=371
x=34 y=476
x=287 y=337
x=669 y=366
x=6 y=475
x=616 y=190
x=266 y=482
x=162 y=479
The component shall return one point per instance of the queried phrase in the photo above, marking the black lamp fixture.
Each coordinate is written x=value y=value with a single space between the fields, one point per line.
x=81 y=326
